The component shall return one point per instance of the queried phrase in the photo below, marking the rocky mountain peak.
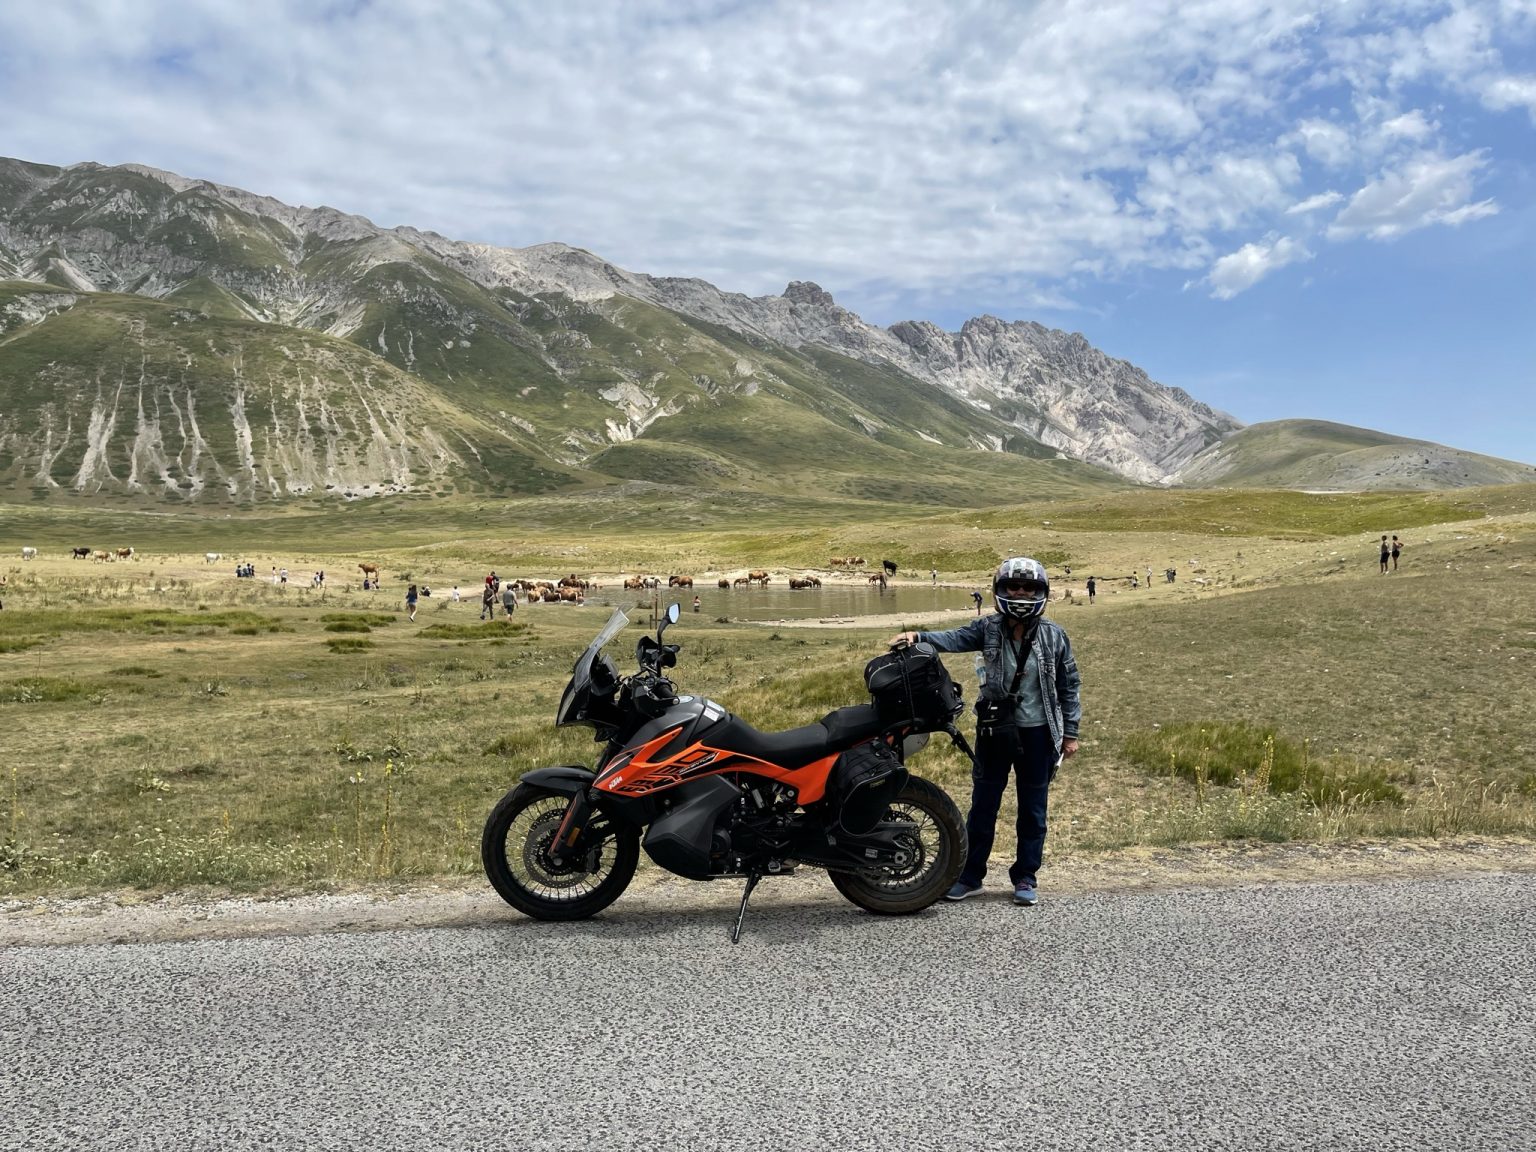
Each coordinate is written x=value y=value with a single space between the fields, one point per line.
x=810 y=294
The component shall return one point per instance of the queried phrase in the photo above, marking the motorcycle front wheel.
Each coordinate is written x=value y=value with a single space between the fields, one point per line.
x=937 y=848
x=515 y=852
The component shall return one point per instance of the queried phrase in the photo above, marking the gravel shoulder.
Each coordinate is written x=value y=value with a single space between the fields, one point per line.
x=137 y=917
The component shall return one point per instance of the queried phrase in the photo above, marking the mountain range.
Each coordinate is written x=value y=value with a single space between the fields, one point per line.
x=167 y=338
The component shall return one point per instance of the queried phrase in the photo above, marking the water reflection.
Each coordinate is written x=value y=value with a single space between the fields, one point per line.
x=779 y=603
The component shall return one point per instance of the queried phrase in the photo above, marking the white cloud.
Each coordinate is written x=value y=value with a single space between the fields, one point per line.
x=1313 y=203
x=1409 y=126
x=1324 y=142
x=1428 y=189
x=867 y=144
x=1504 y=92
x=1238 y=271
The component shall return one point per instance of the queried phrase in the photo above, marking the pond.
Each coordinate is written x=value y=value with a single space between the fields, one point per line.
x=780 y=603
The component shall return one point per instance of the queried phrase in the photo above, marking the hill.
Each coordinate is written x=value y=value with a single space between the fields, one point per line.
x=1317 y=455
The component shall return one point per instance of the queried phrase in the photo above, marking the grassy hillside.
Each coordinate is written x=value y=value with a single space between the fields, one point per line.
x=187 y=728
x=1314 y=454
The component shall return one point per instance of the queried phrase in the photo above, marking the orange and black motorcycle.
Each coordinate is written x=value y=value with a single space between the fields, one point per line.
x=709 y=796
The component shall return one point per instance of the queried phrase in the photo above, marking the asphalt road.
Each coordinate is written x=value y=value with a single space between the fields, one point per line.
x=1327 y=1016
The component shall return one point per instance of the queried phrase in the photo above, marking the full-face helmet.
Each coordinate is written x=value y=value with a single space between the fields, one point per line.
x=1020 y=588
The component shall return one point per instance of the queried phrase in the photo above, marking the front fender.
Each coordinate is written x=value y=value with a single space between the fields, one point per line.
x=566 y=779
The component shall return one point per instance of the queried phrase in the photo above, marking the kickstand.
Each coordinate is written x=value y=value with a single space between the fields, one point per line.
x=741 y=912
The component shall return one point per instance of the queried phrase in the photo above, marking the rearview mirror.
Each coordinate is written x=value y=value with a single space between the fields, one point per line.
x=674 y=610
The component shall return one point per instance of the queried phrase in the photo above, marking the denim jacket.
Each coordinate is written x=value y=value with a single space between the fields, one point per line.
x=1059 y=679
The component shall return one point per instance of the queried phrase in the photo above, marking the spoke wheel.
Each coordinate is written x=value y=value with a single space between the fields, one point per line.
x=936 y=851
x=515 y=850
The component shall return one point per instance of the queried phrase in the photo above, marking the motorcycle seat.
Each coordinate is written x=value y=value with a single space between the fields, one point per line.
x=838 y=729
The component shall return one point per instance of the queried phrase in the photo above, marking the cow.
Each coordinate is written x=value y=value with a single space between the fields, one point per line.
x=722 y=583
x=212 y=557
x=125 y=553
x=29 y=553
x=679 y=581
x=79 y=553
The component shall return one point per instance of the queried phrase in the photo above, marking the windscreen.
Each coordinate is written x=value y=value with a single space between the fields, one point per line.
x=575 y=699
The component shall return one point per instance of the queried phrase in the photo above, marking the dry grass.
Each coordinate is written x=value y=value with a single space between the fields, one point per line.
x=172 y=726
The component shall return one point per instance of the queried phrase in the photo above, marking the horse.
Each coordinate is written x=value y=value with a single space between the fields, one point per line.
x=722 y=583
x=29 y=553
x=370 y=570
x=759 y=575
x=79 y=553
x=679 y=581
x=212 y=557
x=125 y=553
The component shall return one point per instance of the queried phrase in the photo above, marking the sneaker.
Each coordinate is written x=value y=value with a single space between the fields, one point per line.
x=1024 y=893
x=961 y=890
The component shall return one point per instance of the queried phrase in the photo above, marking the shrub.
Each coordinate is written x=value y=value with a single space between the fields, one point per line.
x=1257 y=757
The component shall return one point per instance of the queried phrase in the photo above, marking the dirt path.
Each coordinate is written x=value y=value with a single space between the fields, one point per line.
x=130 y=917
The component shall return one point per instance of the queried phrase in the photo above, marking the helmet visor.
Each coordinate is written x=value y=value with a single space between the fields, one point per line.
x=1026 y=589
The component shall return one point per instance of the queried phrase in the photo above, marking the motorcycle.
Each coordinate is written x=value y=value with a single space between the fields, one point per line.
x=708 y=796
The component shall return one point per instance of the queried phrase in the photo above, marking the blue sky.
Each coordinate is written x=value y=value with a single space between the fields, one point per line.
x=1288 y=209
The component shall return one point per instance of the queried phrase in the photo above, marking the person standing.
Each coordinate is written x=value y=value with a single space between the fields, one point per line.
x=410 y=602
x=935 y=574
x=1093 y=588
x=695 y=603
x=1397 y=550
x=454 y=595
x=509 y=598
x=488 y=602
x=1386 y=553
x=976 y=596
x=1027 y=719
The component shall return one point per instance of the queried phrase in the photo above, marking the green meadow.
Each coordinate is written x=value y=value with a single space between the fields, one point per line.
x=169 y=726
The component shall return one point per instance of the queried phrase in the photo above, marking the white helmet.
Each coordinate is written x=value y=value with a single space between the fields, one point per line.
x=1031 y=588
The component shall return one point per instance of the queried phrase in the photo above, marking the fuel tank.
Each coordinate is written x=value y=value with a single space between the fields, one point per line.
x=668 y=750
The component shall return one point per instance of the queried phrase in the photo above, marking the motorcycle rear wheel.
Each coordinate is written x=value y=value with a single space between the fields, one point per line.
x=939 y=846
x=514 y=850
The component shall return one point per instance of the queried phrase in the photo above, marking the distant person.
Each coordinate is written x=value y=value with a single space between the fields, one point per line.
x=488 y=602
x=454 y=595
x=410 y=601
x=695 y=603
x=1149 y=575
x=282 y=576
x=935 y=575
x=1397 y=550
x=509 y=598
x=1386 y=553
x=1093 y=588
x=1133 y=581
x=1027 y=719
x=976 y=596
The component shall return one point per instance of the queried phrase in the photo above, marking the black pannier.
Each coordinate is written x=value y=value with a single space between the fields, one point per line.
x=911 y=685
x=863 y=784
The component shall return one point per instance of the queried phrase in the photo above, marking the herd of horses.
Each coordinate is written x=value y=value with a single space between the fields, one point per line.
x=569 y=587
x=99 y=555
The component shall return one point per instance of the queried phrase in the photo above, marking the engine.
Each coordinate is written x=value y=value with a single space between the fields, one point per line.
x=720 y=826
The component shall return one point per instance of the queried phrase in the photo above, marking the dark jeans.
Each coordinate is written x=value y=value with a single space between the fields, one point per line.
x=1030 y=757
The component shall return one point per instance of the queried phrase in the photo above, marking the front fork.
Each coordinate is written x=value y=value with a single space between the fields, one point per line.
x=568 y=839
